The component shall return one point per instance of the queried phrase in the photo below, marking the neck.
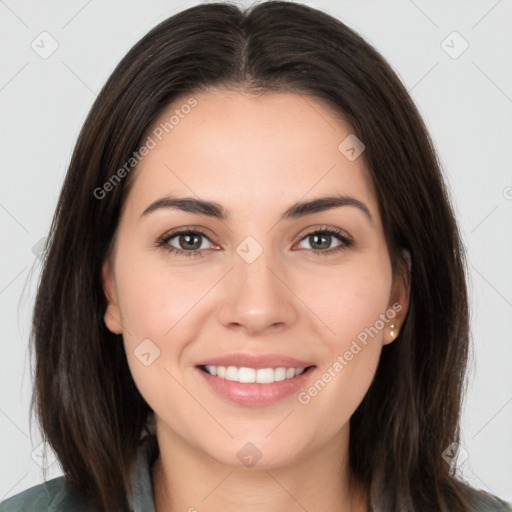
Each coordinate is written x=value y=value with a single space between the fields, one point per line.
x=186 y=479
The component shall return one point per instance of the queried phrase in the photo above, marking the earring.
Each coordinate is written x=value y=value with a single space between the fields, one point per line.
x=392 y=332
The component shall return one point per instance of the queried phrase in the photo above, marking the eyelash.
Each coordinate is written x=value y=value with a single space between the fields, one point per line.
x=164 y=241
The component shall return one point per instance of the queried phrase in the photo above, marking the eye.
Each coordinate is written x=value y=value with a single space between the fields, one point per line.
x=321 y=240
x=187 y=242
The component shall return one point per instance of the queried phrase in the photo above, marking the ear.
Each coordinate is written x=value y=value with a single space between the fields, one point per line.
x=399 y=299
x=112 y=316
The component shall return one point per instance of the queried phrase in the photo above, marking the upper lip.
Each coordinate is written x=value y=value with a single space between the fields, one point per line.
x=255 y=361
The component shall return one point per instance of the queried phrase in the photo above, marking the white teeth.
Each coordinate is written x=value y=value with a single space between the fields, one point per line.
x=280 y=374
x=231 y=373
x=245 y=375
x=251 y=375
x=211 y=370
x=265 y=376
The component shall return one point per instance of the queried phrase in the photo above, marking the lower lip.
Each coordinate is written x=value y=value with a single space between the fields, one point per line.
x=255 y=394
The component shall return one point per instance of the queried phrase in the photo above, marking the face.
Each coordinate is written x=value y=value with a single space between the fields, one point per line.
x=253 y=288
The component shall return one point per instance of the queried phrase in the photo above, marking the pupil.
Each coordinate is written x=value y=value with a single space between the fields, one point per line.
x=326 y=241
x=186 y=241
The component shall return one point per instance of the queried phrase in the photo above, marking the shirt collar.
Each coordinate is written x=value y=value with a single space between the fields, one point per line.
x=147 y=452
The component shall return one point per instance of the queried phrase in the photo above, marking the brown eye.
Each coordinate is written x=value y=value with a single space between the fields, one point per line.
x=188 y=241
x=320 y=241
x=325 y=241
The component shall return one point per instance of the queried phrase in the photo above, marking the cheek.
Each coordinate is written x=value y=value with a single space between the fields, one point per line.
x=355 y=307
x=350 y=300
x=159 y=308
x=154 y=298
x=154 y=310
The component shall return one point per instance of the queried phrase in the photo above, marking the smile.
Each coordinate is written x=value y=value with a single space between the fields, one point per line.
x=254 y=387
x=252 y=375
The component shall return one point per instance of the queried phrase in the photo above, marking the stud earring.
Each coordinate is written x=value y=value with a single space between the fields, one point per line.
x=392 y=332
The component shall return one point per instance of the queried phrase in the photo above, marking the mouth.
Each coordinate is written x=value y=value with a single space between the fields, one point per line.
x=247 y=375
x=258 y=385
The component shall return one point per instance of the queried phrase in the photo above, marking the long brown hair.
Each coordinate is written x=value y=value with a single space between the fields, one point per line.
x=88 y=406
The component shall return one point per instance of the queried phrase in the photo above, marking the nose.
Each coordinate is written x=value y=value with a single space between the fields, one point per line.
x=257 y=296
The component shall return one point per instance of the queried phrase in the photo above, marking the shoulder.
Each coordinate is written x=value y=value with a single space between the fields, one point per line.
x=484 y=502
x=56 y=496
x=49 y=496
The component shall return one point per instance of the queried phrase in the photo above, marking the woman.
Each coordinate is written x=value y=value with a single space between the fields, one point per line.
x=253 y=295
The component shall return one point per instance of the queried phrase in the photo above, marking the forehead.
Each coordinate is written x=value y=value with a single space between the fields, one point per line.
x=261 y=150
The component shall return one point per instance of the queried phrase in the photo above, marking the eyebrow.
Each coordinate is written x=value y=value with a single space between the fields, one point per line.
x=217 y=211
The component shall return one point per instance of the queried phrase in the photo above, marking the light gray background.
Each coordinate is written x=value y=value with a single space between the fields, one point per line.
x=466 y=103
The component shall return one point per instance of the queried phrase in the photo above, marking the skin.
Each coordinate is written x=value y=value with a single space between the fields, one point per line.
x=256 y=156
